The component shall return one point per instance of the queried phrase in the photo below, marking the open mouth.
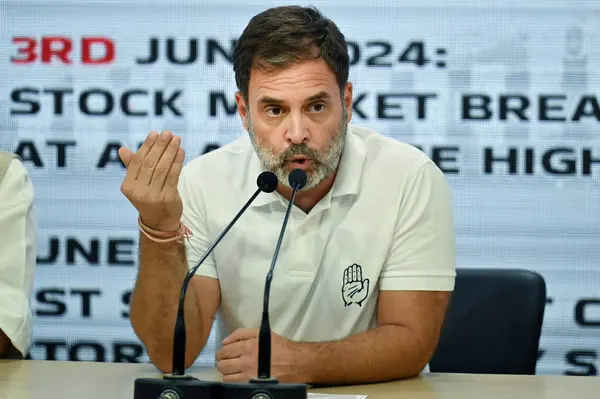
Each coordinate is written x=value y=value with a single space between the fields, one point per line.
x=299 y=160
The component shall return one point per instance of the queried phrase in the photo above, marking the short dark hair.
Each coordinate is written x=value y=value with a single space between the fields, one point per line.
x=281 y=36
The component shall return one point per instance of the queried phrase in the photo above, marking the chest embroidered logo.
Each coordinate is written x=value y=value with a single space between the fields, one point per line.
x=354 y=288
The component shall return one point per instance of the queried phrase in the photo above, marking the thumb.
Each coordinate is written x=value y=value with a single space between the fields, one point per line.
x=366 y=284
x=126 y=155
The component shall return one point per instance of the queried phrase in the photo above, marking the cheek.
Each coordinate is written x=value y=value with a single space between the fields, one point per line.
x=326 y=132
x=269 y=139
x=265 y=136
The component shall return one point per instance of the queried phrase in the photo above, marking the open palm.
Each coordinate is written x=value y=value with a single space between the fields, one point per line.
x=354 y=289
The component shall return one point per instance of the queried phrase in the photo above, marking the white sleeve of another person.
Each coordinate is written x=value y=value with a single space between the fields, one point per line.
x=17 y=258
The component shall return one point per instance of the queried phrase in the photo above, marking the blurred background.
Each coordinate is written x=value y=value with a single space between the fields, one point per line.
x=503 y=95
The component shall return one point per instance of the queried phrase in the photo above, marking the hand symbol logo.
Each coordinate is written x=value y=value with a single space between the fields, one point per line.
x=354 y=288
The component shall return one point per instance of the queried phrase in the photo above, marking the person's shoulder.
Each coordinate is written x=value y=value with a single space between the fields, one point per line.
x=390 y=154
x=16 y=183
x=219 y=171
x=228 y=156
x=15 y=171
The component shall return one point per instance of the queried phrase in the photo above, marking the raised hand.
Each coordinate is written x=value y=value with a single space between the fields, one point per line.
x=354 y=288
x=150 y=183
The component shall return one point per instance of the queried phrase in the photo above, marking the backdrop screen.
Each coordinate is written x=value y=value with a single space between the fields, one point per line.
x=504 y=98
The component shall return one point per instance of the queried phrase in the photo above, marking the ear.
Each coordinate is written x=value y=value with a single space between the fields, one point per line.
x=242 y=108
x=348 y=100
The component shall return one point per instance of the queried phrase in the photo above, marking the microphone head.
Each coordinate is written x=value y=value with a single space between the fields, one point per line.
x=267 y=182
x=297 y=178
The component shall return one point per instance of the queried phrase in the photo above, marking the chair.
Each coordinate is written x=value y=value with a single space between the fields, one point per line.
x=493 y=323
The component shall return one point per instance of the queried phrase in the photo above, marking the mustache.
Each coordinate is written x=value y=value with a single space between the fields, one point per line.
x=299 y=149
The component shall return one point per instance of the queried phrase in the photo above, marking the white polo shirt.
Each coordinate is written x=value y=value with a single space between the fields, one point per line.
x=386 y=224
x=17 y=257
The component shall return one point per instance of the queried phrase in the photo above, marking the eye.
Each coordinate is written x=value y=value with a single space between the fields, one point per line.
x=274 y=111
x=317 y=107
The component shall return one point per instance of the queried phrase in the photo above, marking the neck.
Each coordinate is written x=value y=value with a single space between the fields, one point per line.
x=306 y=200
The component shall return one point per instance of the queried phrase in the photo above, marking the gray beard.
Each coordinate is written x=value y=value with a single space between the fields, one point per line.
x=325 y=162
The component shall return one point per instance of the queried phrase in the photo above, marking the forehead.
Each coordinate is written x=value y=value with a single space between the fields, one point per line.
x=293 y=83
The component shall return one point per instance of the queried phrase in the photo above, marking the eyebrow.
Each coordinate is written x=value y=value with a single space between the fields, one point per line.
x=322 y=95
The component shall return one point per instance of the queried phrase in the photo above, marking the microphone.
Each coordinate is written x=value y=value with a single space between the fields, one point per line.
x=264 y=386
x=177 y=385
x=266 y=182
x=297 y=180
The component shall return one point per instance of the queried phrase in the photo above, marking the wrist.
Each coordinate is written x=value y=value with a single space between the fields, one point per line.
x=178 y=233
x=163 y=226
x=306 y=362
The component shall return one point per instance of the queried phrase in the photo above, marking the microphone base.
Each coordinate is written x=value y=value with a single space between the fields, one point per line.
x=178 y=377
x=177 y=387
x=188 y=387
x=264 y=388
x=264 y=380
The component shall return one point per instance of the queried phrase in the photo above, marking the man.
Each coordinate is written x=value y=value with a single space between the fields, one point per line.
x=367 y=264
x=17 y=256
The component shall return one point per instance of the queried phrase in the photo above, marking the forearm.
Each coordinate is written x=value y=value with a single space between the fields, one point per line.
x=382 y=354
x=155 y=301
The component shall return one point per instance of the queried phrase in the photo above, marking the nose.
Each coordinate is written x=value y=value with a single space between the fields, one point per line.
x=297 y=131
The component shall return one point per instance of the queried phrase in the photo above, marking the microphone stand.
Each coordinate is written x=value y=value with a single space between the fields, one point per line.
x=178 y=385
x=179 y=334
x=264 y=343
x=264 y=386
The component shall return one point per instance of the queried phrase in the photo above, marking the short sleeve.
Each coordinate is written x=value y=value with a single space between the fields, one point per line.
x=194 y=218
x=422 y=254
x=17 y=257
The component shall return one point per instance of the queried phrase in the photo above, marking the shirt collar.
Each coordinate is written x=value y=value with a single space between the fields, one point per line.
x=347 y=180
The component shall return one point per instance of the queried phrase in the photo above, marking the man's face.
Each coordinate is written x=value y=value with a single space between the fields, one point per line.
x=296 y=119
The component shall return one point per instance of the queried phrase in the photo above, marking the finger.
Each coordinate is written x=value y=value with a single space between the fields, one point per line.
x=346 y=277
x=231 y=351
x=358 y=273
x=237 y=377
x=151 y=159
x=126 y=155
x=163 y=166
x=172 y=179
x=241 y=334
x=230 y=366
x=354 y=273
x=135 y=163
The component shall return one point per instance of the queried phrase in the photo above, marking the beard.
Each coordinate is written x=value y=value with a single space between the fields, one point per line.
x=324 y=162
